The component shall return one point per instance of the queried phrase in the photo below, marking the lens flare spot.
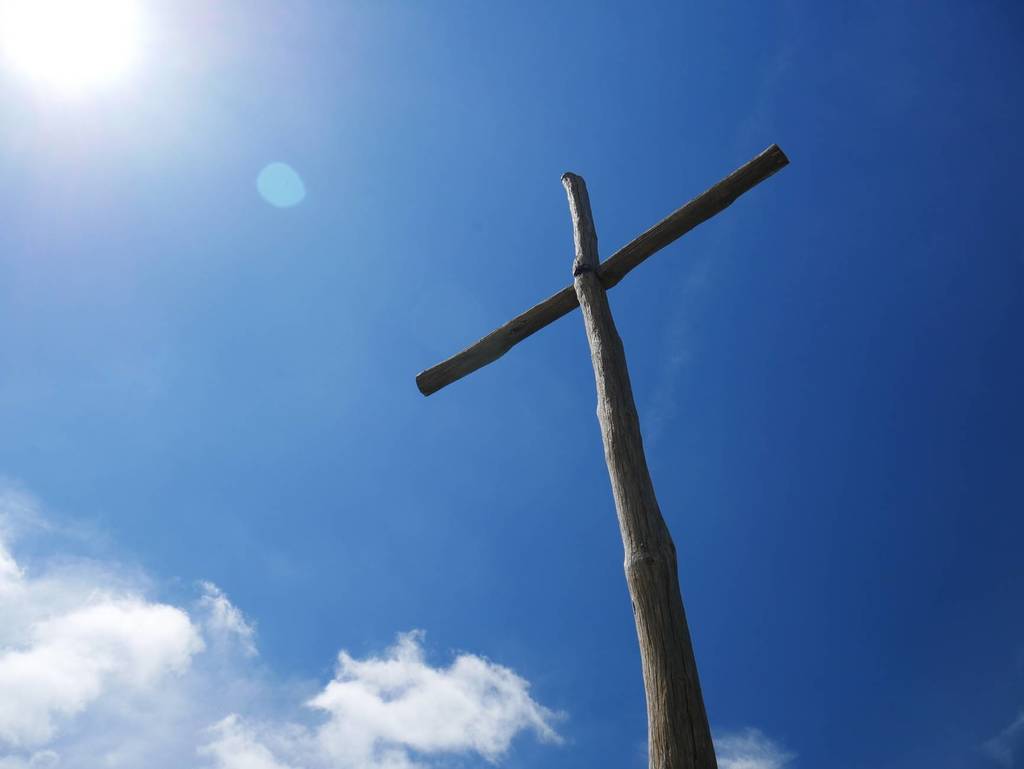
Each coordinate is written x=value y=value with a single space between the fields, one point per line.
x=280 y=185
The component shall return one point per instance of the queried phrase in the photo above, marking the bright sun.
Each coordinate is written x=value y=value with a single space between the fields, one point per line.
x=71 y=44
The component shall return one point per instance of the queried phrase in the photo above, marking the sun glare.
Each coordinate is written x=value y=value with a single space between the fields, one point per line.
x=71 y=44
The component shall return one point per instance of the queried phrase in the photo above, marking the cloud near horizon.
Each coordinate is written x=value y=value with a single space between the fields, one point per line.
x=750 y=749
x=97 y=673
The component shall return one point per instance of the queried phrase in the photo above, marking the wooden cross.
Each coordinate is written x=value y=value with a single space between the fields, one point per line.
x=677 y=725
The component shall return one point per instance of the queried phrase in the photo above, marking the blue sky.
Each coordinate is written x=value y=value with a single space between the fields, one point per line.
x=207 y=403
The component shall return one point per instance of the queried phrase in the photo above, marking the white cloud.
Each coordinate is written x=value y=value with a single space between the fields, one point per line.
x=234 y=745
x=67 y=641
x=225 y=620
x=96 y=672
x=392 y=712
x=10 y=574
x=382 y=708
x=75 y=658
x=750 y=749
x=1007 y=746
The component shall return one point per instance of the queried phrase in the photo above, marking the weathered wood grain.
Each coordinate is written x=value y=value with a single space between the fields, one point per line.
x=678 y=733
x=614 y=269
x=498 y=342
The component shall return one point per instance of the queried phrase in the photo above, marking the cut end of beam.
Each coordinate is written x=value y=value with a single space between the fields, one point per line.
x=779 y=158
x=423 y=385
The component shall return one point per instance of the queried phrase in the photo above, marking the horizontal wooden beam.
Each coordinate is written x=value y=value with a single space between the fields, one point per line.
x=611 y=271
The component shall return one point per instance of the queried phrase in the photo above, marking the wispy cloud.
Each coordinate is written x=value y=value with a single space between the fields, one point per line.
x=233 y=744
x=1007 y=747
x=679 y=349
x=224 y=620
x=682 y=340
x=19 y=510
x=750 y=749
x=97 y=672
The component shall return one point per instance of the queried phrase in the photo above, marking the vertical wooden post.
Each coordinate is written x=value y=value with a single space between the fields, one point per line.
x=677 y=725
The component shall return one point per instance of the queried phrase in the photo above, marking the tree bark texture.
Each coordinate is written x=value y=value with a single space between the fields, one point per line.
x=678 y=733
